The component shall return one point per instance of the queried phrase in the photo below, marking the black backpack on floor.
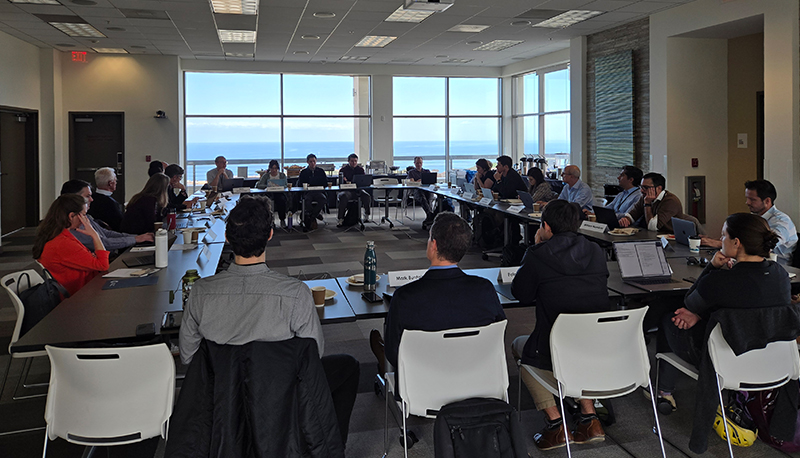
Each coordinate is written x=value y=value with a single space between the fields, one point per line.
x=480 y=428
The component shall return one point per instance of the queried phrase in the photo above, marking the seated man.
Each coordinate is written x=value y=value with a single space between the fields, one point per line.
x=760 y=198
x=249 y=302
x=217 y=175
x=508 y=182
x=105 y=208
x=576 y=190
x=657 y=206
x=445 y=297
x=421 y=197
x=176 y=192
x=563 y=273
x=629 y=180
x=347 y=173
x=112 y=240
x=313 y=176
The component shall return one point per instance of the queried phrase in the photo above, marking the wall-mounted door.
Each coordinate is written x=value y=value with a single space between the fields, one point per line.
x=19 y=170
x=97 y=140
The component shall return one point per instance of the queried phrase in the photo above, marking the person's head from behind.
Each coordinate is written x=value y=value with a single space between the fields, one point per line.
x=249 y=227
x=175 y=173
x=274 y=167
x=311 y=159
x=629 y=177
x=155 y=187
x=571 y=175
x=560 y=216
x=747 y=233
x=654 y=181
x=155 y=167
x=504 y=164
x=64 y=213
x=352 y=160
x=759 y=196
x=450 y=238
x=105 y=178
x=535 y=176
x=220 y=162
x=418 y=163
x=483 y=166
x=79 y=187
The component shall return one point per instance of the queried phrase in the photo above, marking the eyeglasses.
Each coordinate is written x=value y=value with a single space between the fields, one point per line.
x=645 y=187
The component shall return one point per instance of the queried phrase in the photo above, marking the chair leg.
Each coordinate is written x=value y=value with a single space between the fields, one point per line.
x=658 y=424
x=564 y=420
x=519 y=390
x=724 y=420
x=405 y=431
x=44 y=452
x=386 y=424
x=21 y=382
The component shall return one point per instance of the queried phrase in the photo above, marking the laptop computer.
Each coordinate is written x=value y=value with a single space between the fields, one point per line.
x=428 y=178
x=606 y=216
x=142 y=260
x=644 y=265
x=487 y=193
x=526 y=199
x=229 y=183
x=362 y=181
x=683 y=229
x=275 y=183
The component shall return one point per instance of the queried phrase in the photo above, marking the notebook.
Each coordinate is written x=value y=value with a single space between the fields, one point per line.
x=644 y=265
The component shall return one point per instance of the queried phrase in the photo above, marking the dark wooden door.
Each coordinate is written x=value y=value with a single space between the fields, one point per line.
x=19 y=171
x=97 y=140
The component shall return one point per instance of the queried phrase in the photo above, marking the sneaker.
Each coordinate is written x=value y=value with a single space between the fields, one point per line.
x=589 y=430
x=339 y=222
x=548 y=439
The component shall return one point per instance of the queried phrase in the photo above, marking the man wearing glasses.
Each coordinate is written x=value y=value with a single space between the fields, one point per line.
x=629 y=180
x=576 y=190
x=657 y=205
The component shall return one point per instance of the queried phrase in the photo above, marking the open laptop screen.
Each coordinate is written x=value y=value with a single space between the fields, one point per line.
x=642 y=260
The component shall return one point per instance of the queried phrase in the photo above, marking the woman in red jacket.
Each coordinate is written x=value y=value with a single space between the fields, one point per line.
x=70 y=263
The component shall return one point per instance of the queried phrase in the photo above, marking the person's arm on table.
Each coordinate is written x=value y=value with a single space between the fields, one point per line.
x=305 y=321
x=526 y=283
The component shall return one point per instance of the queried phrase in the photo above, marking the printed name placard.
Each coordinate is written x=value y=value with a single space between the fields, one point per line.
x=241 y=190
x=507 y=274
x=468 y=195
x=486 y=201
x=594 y=227
x=274 y=189
x=205 y=254
x=348 y=186
x=210 y=235
x=222 y=202
x=516 y=208
x=401 y=277
x=316 y=188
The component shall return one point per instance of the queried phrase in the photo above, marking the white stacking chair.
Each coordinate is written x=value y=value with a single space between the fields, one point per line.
x=756 y=370
x=109 y=396
x=12 y=286
x=437 y=368
x=598 y=356
x=379 y=195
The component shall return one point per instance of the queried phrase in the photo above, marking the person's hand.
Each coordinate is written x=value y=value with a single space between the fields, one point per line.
x=180 y=186
x=707 y=241
x=194 y=201
x=86 y=227
x=497 y=176
x=719 y=260
x=537 y=239
x=148 y=237
x=624 y=222
x=685 y=319
x=650 y=195
x=796 y=299
x=587 y=212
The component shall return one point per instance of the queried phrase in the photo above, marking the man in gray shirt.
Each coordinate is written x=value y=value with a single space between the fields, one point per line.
x=220 y=173
x=112 y=240
x=249 y=302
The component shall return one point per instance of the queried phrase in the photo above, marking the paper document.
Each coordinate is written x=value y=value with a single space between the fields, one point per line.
x=128 y=273
x=183 y=247
x=139 y=249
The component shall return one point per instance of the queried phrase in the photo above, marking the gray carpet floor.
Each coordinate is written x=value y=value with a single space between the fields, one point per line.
x=330 y=251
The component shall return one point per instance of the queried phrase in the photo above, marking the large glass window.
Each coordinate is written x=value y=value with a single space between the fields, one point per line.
x=254 y=118
x=449 y=122
x=542 y=116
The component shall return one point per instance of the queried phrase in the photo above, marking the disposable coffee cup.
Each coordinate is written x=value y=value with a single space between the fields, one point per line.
x=195 y=235
x=536 y=206
x=305 y=185
x=694 y=244
x=319 y=295
x=592 y=218
x=288 y=186
x=157 y=226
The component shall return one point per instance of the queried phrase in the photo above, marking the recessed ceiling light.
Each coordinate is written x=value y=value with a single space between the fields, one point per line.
x=238 y=54
x=403 y=15
x=498 y=45
x=300 y=53
x=428 y=5
x=468 y=28
x=375 y=41
x=248 y=7
x=77 y=29
x=567 y=19
x=456 y=61
x=520 y=23
x=110 y=50
x=310 y=37
x=324 y=15
x=237 y=36
x=115 y=29
x=475 y=42
x=361 y=58
x=37 y=2
x=84 y=2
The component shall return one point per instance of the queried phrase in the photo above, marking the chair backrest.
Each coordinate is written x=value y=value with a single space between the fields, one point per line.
x=437 y=368
x=760 y=369
x=109 y=396
x=13 y=286
x=600 y=355
x=380 y=194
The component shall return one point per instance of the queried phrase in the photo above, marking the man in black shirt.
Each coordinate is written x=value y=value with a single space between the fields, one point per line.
x=507 y=181
x=313 y=176
x=347 y=173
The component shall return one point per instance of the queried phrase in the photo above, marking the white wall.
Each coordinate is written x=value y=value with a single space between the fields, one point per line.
x=782 y=92
x=697 y=120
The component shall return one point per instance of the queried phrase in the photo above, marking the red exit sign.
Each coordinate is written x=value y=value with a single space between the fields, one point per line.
x=79 y=56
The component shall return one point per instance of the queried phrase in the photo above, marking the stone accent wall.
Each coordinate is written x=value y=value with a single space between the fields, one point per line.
x=633 y=36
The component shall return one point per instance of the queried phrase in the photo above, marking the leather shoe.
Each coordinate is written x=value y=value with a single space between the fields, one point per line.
x=589 y=431
x=376 y=344
x=548 y=439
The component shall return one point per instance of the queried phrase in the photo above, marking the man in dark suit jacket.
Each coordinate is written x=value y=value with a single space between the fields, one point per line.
x=105 y=208
x=445 y=297
x=313 y=176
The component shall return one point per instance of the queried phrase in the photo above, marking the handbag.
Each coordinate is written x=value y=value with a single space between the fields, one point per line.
x=39 y=300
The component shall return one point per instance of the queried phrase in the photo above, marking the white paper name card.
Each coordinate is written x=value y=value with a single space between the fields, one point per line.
x=210 y=235
x=316 y=188
x=222 y=202
x=403 y=277
x=486 y=201
x=469 y=195
x=348 y=186
x=205 y=254
x=594 y=227
x=241 y=190
x=516 y=208
x=274 y=189
x=507 y=274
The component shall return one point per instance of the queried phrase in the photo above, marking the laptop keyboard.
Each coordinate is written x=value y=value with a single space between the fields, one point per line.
x=657 y=281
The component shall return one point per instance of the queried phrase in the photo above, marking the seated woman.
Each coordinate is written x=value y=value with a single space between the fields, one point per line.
x=146 y=207
x=273 y=174
x=485 y=176
x=176 y=191
x=539 y=189
x=68 y=260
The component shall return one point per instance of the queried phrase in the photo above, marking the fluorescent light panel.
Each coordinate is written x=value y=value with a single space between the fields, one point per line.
x=237 y=36
x=375 y=41
x=238 y=54
x=111 y=50
x=456 y=61
x=247 y=7
x=403 y=15
x=37 y=2
x=427 y=5
x=567 y=19
x=361 y=58
x=498 y=45
x=468 y=28
x=74 y=29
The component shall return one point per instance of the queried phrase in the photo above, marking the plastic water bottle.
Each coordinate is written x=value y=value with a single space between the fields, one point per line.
x=370 y=267
x=162 y=248
x=289 y=221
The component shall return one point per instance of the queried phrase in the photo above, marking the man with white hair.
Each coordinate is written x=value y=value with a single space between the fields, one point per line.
x=104 y=207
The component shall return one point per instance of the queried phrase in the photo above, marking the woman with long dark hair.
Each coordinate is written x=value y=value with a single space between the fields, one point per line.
x=485 y=176
x=539 y=189
x=146 y=207
x=67 y=259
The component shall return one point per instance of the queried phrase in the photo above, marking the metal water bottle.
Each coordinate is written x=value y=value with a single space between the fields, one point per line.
x=187 y=282
x=370 y=267
x=162 y=248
